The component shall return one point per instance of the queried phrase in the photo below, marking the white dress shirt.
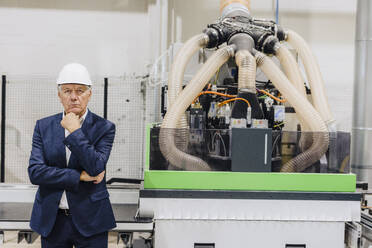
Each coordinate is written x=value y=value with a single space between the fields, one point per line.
x=63 y=204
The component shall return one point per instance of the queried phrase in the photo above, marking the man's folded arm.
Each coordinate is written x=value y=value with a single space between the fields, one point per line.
x=42 y=174
x=92 y=158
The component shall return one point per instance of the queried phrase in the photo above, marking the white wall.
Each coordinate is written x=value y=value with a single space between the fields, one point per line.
x=39 y=37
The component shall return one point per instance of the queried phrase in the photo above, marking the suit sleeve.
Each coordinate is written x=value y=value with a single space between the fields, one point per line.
x=42 y=174
x=92 y=158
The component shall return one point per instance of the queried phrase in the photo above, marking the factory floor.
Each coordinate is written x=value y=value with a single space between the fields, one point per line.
x=10 y=241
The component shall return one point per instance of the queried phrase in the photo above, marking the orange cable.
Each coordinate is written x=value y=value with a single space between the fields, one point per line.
x=234 y=99
x=213 y=93
x=273 y=97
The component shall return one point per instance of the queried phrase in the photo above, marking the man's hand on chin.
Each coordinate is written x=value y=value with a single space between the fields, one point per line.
x=70 y=122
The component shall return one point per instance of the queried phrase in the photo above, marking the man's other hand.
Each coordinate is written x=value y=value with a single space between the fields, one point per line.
x=100 y=177
x=70 y=122
x=84 y=176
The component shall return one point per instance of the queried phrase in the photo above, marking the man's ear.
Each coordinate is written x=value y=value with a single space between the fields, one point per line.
x=90 y=93
x=59 y=96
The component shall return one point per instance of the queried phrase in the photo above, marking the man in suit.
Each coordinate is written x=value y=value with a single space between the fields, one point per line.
x=68 y=162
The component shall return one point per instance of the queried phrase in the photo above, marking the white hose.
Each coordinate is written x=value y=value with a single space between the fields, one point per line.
x=175 y=82
x=292 y=71
x=247 y=70
x=173 y=155
x=180 y=62
x=301 y=105
x=313 y=74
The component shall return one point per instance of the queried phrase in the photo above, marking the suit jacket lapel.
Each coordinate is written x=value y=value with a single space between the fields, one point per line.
x=59 y=137
x=86 y=127
x=87 y=124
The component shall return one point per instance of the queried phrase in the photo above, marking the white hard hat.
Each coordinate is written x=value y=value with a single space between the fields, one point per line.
x=74 y=73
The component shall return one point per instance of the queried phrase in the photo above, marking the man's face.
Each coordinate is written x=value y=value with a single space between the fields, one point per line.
x=74 y=98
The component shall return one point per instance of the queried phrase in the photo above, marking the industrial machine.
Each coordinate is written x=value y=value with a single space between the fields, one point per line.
x=245 y=160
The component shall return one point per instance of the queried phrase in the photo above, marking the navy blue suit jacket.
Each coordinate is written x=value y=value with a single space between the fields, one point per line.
x=90 y=148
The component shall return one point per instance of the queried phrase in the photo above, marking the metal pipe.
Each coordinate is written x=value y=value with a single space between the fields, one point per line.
x=105 y=89
x=277 y=12
x=361 y=143
x=3 y=123
x=164 y=38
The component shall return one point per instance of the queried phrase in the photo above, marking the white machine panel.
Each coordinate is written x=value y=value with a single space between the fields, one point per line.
x=248 y=209
x=262 y=234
